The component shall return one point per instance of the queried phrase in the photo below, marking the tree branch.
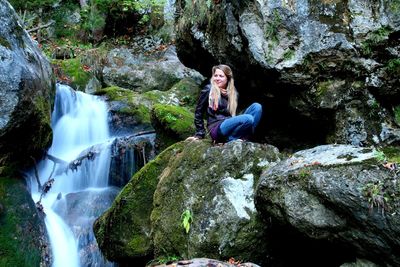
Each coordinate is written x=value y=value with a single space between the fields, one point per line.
x=41 y=27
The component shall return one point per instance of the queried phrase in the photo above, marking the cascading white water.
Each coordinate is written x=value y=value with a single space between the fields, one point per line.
x=79 y=192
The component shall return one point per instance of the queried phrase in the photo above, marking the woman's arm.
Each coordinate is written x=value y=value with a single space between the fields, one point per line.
x=201 y=108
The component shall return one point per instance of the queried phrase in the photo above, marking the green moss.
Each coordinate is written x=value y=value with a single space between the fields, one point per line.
x=397 y=114
x=196 y=12
x=374 y=39
x=153 y=96
x=392 y=153
x=177 y=120
x=73 y=69
x=323 y=87
x=393 y=66
x=347 y=157
x=4 y=42
x=289 y=54
x=115 y=93
x=123 y=231
x=19 y=226
x=271 y=28
x=133 y=106
x=188 y=91
x=304 y=173
x=44 y=136
x=394 y=6
x=140 y=112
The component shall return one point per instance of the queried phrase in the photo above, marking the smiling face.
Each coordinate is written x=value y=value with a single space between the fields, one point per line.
x=220 y=78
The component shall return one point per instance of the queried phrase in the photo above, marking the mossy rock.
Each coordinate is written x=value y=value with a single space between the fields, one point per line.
x=184 y=93
x=187 y=91
x=123 y=232
x=129 y=109
x=172 y=123
x=22 y=236
x=72 y=71
x=215 y=184
x=392 y=154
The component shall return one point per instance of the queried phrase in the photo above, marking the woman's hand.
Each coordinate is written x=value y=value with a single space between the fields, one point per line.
x=192 y=138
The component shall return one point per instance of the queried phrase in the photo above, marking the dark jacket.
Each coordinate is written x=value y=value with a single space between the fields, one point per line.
x=214 y=117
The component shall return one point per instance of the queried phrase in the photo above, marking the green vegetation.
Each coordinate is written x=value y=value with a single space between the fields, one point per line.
x=74 y=72
x=187 y=219
x=174 y=119
x=304 y=173
x=164 y=260
x=272 y=27
x=376 y=195
x=380 y=155
x=196 y=12
x=289 y=54
x=323 y=87
x=32 y=4
x=122 y=17
x=397 y=114
x=393 y=66
x=394 y=6
x=374 y=39
x=391 y=154
x=374 y=108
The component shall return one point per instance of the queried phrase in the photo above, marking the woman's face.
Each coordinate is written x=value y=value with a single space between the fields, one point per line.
x=220 y=78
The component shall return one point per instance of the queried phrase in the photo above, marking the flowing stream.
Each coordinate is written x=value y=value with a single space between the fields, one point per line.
x=79 y=163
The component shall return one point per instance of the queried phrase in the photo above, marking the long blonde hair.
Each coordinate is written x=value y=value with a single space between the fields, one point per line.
x=215 y=92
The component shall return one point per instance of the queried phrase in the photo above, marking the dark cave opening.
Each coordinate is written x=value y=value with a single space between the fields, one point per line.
x=282 y=125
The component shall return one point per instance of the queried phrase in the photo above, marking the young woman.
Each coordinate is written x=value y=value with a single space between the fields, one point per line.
x=219 y=101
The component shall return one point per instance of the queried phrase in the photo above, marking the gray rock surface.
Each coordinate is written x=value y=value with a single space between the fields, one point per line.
x=339 y=193
x=26 y=93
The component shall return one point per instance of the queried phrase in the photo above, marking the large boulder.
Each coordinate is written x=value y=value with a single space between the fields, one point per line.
x=26 y=93
x=212 y=189
x=23 y=237
x=157 y=70
x=340 y=197
x=308 y=62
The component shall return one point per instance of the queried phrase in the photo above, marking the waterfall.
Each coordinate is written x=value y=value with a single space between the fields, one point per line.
x=79 y=160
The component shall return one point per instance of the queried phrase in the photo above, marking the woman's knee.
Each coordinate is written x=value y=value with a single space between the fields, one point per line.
x=246 y=119
x=256 y=106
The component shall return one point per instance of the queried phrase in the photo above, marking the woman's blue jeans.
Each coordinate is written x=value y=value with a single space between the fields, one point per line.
x=242 y=126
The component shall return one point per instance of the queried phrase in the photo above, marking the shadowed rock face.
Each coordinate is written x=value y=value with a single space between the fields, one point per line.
x=310 y=63
x=26 y=93
x=335 y=193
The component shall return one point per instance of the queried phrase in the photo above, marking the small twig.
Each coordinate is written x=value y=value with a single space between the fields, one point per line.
x=36 y=174
x=56 y=160
x=40 y=27
x=144 y=154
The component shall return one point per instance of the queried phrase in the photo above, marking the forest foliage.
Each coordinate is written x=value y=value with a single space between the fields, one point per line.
x=89 y=20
